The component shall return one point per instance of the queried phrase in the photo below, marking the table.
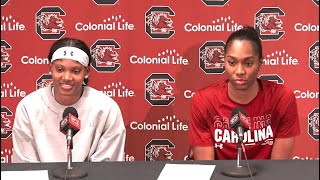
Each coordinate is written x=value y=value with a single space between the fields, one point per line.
x=149 y=170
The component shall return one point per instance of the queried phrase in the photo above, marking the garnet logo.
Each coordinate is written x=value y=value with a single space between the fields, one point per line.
x=4 y=2
x=313 y=124
x=44 y=81
x=313 y=57
x=211 y=57
x=158 y=22
x=158 y=89
x=5 y=60
x=105 y=2
x=105 y=56
x=6 y=123
x=215 y=2
x=159 y=150
x=49 y=23
x=269 y=24
x=272 y=77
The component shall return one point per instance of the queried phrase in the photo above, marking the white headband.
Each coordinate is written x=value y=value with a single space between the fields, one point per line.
x=72 y=53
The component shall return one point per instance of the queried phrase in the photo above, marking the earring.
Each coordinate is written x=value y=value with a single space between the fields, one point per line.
x=49 y=72
x=86 y=77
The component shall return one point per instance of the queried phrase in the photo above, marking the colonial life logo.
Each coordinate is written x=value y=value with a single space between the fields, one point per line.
x=168 y=123
x=117 y=90
x=105 y=56
x=34 y=60
x=8 y=90
x=113 y=23
x=211 y=57
x=5 y=56
x=158 y=22
x=280 y=58
x=221 y=24
x=6 y=156
x=158 y=89
x=168 y=56
x=159 y=150
x=49 y=23
x=8 y=23
x=269 y=24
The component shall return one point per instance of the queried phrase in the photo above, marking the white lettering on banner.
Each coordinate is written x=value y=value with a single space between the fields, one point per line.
x=188 y=94
x=9 y=24
x=8 y=90
x=165 y=124
x=128 y=157
x=6 y=155
x=306 y=27
x=212 y=27
x=34 y=60
x=223 y=24
x=117 y=90
x=306 y=95
x=158 y=60
x=280 y=58
x=304 y=158
x=105 y=26
x=229 y=136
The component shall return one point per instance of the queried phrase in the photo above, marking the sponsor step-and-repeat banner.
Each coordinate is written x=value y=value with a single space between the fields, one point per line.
x=151 y=56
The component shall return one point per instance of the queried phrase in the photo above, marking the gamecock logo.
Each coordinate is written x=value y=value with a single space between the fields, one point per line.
x=44 y=81
x=211 y=57
x=49 y=23
x=215 y=3
x=313 y=124
x=272 y=77
x=5 y=60
x=6 y=123
x=159 y=23
x=4 y=2
x=105 y=56
x=158 y=90
x=269 y=24
x=159 y=150
x=105 y=2
x=314 y=57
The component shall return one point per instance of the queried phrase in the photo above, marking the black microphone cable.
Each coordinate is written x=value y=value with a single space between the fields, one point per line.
x=245 y=156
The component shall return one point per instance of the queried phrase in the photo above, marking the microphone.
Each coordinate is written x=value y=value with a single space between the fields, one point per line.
x=241 y=124
x=70 y=125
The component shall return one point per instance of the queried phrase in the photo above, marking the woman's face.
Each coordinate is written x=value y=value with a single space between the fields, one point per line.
x=242 y=64
x=68 y=76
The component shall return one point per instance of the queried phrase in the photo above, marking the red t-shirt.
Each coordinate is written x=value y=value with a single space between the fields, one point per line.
x=272 y=114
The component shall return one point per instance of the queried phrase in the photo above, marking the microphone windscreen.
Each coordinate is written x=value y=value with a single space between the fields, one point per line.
x=70 y=110
x=236 y=110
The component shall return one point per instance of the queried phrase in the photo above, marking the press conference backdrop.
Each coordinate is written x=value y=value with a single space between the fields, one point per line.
x=150 y=56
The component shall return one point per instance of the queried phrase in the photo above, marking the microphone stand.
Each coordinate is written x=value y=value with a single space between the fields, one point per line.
x=239 y=171
x=70 y=172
